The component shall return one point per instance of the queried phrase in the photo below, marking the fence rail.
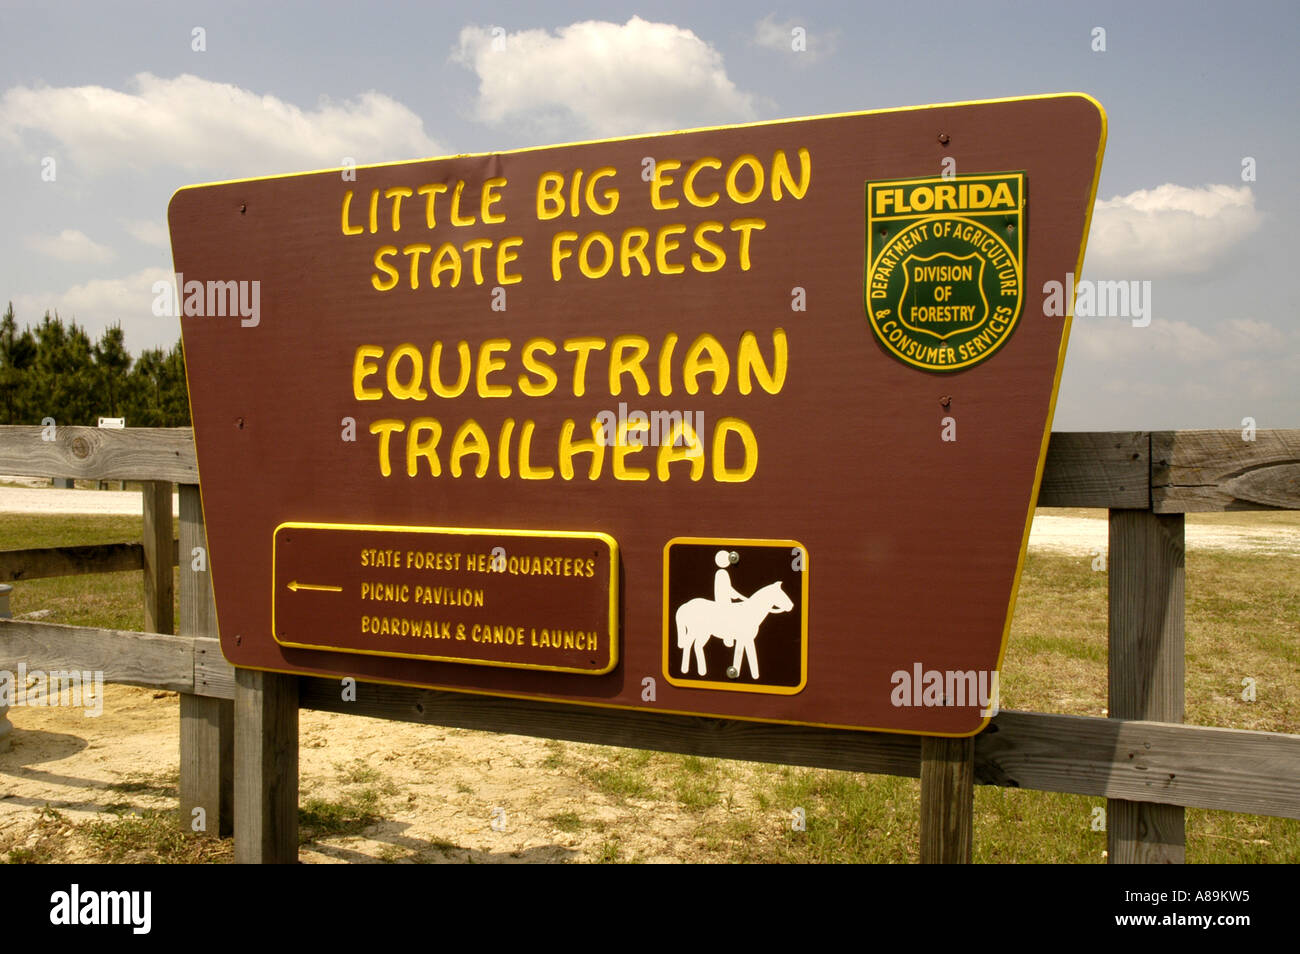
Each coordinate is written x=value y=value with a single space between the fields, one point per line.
x=239 y=728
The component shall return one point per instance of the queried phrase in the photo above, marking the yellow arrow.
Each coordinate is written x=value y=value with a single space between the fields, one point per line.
x=296 y=586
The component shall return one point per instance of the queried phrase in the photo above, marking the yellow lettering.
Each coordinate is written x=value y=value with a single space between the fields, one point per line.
x=348 y=227
x=750 y=359
x=469 y=439
x=490 y=198
x=582 y=347
x=569 y=449
x=526 y=470
x=487 y=364
x=706 y=356
x=435 y=371
x=659 y=181
x=385 y=429
x=533 y=366
x=381 y=263
x=619 y=365
x=362 y=369
x=417 y=448
x=411 y=389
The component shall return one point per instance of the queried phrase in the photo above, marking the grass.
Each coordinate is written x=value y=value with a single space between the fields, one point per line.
x=1242 y=616
x=152 y=836
x=109 y=600
x=568 y=822
x=620 y=774
x=350 y=815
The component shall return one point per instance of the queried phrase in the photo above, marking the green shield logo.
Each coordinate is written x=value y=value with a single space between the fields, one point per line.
x=943 y=294
x=944 y=284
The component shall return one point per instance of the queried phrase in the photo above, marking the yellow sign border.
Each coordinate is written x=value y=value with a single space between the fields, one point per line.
x=1042 y=452
x=803 y=622
x=597 y=535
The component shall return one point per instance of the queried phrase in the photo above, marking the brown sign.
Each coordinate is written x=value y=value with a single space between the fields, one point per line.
x=818 y=345
x=491 y=597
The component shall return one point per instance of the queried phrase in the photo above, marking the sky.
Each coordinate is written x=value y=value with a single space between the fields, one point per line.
x=107 y=109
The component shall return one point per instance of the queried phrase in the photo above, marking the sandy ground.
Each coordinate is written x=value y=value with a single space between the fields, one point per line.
x=1088 y=535
x=437 y=789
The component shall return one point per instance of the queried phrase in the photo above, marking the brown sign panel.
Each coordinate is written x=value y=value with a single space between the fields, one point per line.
x=490 y=597
x=819 y=344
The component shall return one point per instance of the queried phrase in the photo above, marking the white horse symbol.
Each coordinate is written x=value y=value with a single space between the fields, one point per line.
x=700 y=618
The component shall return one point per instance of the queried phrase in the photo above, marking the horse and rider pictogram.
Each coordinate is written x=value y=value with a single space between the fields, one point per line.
x=716 y=641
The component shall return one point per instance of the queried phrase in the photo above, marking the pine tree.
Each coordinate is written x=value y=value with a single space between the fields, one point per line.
x=17 y=355
x=112 y=364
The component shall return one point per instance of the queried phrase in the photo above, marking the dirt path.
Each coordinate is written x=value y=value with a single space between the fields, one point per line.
x=1084 y=535
x=437 y=792
x=58 y=500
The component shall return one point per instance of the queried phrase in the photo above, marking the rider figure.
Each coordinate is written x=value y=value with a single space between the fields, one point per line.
x=723 y=591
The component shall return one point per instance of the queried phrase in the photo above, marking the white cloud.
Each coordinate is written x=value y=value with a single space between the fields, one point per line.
x=101 y=302
x=782 y=37
x=148 y=231
x=1170 y=342
x=1169 y=230
x=207 y=128
x=604 y=79
x=70 y=245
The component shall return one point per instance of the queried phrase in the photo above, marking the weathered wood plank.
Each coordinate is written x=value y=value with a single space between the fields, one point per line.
x=1097 y=469
x=1235 y=770
x=93 y=453
x=159 y=591
x=207 y=764
x=46 y=562
x=266 y=768
x=1196 y=766
x=198 y=609
x=213 y=676
x=137 y=659
x=6 y=727
x=947 y=800
x=1197 y=471
x=207 y=739
x=1146 y=675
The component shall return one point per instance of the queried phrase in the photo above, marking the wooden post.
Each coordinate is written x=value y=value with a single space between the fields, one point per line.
x=207 y=724
x=1146 y=666
x=266 y=767
x=158 y=550
x=6 y=727
x=947 y=800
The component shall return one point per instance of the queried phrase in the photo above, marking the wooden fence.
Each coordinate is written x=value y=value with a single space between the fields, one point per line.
x=239 y=729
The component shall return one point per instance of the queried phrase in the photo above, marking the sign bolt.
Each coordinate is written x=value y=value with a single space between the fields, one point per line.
x=733 y=557
x=945 y=400
x=943 y=138
x=733 y=672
